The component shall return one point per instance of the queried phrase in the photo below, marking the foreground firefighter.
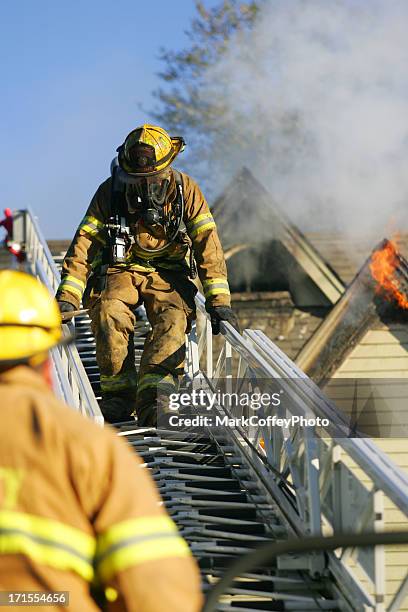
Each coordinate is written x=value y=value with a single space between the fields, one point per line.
x=76 y=505
x=139 y=236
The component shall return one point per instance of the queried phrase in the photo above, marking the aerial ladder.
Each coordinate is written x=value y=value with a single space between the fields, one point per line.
x=232 y=490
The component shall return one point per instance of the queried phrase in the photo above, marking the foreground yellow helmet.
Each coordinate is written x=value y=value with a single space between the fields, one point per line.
x=147 y=150
x=30 y=321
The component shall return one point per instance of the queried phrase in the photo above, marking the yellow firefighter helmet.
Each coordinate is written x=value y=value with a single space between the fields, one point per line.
x=147 y=150
x=30 y=321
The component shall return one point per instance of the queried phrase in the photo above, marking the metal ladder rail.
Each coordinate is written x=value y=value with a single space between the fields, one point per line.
x=72 y=384
x=326 y=490
x=381 y=469
x=270 y=363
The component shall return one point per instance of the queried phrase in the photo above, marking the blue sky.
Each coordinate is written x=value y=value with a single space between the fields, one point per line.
x=73 y=77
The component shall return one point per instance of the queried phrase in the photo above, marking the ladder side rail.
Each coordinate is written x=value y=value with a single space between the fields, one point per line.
x=351 y=589
x=69 y=369
x=384 y=473
x=267 y=361
x=266 y=372
x=313 y=457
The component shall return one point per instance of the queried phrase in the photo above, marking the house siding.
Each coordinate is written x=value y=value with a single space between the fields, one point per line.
x=382 y=353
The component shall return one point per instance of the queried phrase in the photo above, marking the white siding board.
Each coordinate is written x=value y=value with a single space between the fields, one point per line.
x=381 y=354
x=372 y=366
x=391 y=349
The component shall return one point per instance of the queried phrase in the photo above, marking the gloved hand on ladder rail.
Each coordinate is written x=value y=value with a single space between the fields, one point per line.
x=65 y=306
x=222 y=313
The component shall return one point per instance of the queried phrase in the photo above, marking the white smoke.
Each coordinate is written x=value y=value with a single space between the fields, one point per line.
x=315 y=103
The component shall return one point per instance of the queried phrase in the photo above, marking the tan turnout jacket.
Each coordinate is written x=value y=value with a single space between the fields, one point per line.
x=91 y=235
x=76 y=506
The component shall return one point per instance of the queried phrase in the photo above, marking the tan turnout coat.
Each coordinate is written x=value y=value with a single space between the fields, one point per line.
x=77 y=506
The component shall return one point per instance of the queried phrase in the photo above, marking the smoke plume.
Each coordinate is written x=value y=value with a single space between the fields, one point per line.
x=315 y=104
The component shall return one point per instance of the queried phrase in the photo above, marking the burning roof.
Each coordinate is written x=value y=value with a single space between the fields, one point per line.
x=390 y=271
x=346 y=253
x=378 y=292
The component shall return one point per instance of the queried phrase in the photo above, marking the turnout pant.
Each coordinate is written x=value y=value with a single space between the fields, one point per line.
x=169 y=301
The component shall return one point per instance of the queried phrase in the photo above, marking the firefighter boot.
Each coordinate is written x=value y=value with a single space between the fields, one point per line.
x=117 y=407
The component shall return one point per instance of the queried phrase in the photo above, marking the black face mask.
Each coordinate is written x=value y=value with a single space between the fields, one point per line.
x=147 y=197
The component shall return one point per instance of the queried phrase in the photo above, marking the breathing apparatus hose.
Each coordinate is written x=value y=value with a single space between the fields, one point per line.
x=170 y=239
x=268 y=552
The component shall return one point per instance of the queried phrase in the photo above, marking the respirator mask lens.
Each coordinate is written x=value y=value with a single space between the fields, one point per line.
x=157 y=188
x=148 y=191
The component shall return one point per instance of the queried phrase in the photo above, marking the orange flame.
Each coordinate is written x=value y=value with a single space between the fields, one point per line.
x=383 y=265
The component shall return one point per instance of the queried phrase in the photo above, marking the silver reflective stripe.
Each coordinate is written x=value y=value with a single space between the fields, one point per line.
x=195 y=225
x=93 y=223
x=45 y=542
x=135 y=540
x=71 y=283
x=216 y=286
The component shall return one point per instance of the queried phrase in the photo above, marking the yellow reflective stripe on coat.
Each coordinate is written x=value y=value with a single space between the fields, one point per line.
x=200 y=224
x=199 y=219
x=148 y=381
x=137 y=541
x=72 y=285
x=93 y=227
x=48 y=542
x=216 y=286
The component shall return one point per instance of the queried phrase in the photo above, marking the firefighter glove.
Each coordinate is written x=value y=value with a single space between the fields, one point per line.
x=222 y=313
x=65 y=306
